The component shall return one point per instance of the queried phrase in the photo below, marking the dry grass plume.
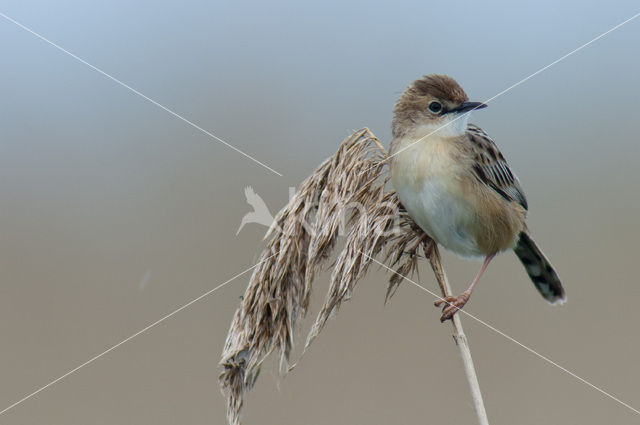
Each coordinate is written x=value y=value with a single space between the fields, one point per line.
x=347 y=195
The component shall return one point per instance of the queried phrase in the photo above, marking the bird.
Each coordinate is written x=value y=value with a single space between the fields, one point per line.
x=456 y=185
x=260 y=213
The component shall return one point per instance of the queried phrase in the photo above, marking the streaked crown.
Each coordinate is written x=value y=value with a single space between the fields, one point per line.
x=426 y=100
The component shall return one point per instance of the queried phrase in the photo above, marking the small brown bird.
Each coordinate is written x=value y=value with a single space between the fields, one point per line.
x=456 y=185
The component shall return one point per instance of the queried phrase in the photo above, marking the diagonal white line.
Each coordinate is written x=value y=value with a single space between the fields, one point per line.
x=132 y=336
x=197 y=127
x=499 y=332
x=521 y=81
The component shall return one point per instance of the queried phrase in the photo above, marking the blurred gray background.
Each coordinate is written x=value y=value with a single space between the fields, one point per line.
x=114 y=213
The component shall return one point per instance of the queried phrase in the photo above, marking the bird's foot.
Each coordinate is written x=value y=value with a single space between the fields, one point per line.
x=452 y=305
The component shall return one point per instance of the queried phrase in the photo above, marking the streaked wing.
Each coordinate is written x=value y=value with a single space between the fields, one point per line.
x=492 y=169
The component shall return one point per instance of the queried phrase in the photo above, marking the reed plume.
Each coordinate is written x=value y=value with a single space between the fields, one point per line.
x=347 y=194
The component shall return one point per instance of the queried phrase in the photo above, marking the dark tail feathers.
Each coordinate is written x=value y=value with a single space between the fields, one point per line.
x=539 y=270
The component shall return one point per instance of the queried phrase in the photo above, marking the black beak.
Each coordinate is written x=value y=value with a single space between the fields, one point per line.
x=467 y=106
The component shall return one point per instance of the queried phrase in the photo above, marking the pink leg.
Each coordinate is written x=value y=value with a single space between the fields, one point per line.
x=453 y=304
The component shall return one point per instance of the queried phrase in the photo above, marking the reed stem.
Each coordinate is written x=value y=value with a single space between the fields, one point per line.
x=432 y=252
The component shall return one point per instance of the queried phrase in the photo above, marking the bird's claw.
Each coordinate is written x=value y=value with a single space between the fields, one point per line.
x=452 y=305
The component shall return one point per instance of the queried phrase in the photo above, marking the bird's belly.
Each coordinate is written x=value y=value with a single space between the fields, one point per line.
x=433 y=183
x=443 y=214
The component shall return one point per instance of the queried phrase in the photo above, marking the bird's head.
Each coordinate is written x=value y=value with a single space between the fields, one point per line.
x=434 y=103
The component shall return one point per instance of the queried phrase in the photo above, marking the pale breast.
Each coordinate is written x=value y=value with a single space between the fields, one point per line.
x=444 y=200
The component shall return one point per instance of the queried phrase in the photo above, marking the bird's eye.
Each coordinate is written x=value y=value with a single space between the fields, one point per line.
x=435 y=107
